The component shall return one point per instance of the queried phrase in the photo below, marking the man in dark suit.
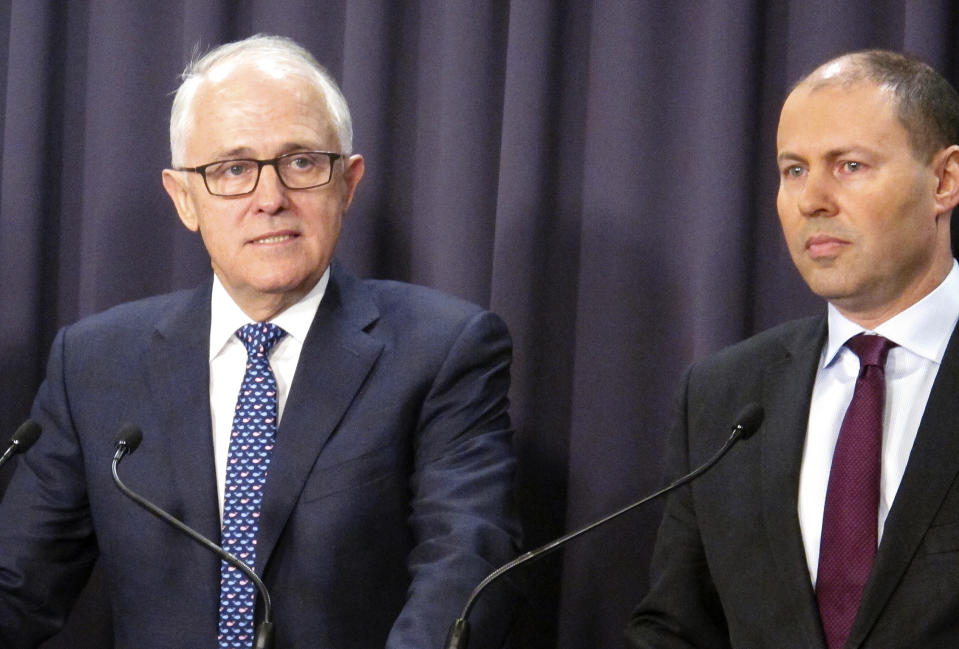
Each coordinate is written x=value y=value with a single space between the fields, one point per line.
x=833 y=528
x=379 y=410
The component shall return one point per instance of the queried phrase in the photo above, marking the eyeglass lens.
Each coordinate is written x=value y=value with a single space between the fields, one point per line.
x=297 y=171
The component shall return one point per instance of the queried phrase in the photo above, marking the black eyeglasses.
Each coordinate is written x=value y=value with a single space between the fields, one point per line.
x=300 y=170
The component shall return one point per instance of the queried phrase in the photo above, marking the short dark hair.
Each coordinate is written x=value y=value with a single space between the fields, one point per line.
x=926 y=104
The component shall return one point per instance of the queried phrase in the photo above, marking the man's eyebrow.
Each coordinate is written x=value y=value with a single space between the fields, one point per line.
x=239 y=152
x=832 y=154
x=784 y=156
x=247 y=152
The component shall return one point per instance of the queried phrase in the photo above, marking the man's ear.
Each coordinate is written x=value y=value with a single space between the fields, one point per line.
x=947 y=171
x=175 y=184
x=355 y=166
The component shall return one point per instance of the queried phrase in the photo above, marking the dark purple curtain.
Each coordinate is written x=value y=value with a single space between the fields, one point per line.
x=599 y=172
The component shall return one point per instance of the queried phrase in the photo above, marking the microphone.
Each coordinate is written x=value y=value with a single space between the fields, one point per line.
x=22 y=439
x=128 y=440
x=747 y=422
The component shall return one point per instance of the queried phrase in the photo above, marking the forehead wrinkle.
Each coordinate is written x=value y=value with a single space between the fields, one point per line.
x=245 y=152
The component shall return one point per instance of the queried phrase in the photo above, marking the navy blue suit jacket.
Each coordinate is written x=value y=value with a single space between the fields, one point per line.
x=729 y=569
x=388 y=496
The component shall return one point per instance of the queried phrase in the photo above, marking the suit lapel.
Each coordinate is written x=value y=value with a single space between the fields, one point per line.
x=788 y=382
x=932 y=468
x=178 y=362
x=336 y=358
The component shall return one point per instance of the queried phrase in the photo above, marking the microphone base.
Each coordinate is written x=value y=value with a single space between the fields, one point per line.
x=459 y=634
x=264 y=636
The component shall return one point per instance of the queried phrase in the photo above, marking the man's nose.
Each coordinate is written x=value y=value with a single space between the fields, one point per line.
x=817 y=195
x=270 y=191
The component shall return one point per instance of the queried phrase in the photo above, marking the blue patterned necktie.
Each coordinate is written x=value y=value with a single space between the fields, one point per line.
x=251 y=444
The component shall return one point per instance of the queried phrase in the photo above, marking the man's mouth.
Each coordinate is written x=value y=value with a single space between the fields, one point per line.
x=822 y=245
x=273 y=238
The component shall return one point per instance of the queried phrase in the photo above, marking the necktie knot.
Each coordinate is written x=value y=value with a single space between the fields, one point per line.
x=870 y=349
x=259 y=337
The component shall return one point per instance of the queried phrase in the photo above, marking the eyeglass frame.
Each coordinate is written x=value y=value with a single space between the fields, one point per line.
x=271 y=162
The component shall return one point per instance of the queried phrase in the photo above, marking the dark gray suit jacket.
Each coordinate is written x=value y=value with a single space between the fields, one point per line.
x=729 y=568
x=388 y=496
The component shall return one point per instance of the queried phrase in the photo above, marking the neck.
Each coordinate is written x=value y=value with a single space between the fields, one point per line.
x=871 y=315
x=262 y=307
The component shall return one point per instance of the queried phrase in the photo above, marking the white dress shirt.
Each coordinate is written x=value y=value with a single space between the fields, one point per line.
x=921 y=332
x=228 y=361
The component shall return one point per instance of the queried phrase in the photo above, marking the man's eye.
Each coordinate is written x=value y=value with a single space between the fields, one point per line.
x=794 y=171
x=851 y=165
x=301 y=163
x=229 y=169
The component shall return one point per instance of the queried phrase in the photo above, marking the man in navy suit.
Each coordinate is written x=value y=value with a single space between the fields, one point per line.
x=388 y=490
x=869 y=177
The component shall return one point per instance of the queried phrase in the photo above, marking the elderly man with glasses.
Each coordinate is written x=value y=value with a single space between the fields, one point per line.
x=348 y=439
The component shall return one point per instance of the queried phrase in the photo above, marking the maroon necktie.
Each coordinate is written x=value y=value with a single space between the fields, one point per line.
x=850 y=520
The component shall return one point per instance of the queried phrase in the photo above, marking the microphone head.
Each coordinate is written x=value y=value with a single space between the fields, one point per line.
x=129 y=437
x=25 y=436
x=749 y=419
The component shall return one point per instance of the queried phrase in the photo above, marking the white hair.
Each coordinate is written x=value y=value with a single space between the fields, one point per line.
x=278 y=50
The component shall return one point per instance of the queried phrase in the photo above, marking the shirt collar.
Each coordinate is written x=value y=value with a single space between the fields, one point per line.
x=924 y=328
x=226 y=316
